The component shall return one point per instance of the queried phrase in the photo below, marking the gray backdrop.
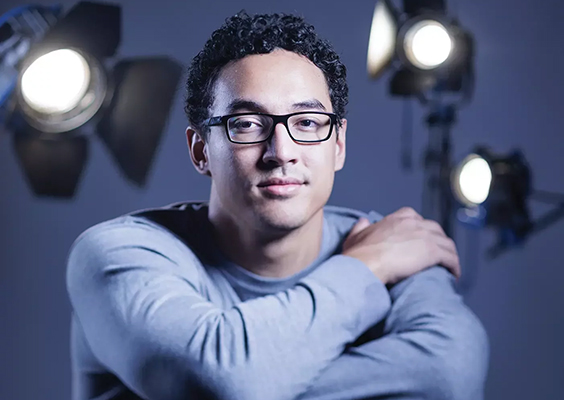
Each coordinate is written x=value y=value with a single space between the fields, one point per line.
x=517 y=103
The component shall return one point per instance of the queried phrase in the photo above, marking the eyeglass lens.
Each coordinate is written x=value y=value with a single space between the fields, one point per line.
x=303 y=127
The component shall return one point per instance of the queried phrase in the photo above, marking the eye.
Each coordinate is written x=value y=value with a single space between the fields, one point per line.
x=244 y=124
x=306 y=123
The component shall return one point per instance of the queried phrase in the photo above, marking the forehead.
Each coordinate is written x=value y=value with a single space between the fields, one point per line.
x=275 y=80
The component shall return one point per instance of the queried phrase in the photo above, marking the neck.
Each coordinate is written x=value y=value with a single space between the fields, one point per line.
x=263 y=252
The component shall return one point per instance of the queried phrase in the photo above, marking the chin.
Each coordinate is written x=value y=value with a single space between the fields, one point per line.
x=282 y=217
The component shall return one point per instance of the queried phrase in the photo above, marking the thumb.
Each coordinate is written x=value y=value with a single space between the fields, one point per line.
x=361 y=224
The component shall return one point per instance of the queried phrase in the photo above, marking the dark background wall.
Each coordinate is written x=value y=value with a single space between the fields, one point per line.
x=517 y=104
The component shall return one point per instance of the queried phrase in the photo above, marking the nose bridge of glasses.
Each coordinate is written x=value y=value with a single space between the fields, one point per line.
x=276 y=121
x=280 y=140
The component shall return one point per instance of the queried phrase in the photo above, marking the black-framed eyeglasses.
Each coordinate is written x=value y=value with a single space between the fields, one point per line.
x=254 y=127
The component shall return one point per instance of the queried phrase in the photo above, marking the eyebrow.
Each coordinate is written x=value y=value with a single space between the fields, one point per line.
x=308 y=105
x=242 y=104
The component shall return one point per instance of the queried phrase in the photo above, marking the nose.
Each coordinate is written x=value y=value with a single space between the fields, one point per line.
x=280 y=147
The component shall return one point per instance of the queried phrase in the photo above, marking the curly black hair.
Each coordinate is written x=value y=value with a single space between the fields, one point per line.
x=243 y=35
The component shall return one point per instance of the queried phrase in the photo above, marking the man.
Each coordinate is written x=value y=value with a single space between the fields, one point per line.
x=264 y=292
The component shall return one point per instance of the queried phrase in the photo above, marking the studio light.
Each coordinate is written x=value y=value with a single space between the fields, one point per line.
x=427 y=44
x=61 y=90
x=56 y=82
x=430 y=58
x=495 y=190
x=425 y=48
x=499 y=184
x=60 y=84
x=472 y=180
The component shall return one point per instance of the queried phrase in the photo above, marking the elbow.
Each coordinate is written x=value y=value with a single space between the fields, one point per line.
x=208 y=367
x=172 y=378
x=465 y=367
x=178 y=379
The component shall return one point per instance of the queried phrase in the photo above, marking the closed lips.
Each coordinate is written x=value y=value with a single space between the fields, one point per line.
x=277 y=181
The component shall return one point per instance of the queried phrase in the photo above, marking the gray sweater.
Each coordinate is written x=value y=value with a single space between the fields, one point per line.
x=159 y=313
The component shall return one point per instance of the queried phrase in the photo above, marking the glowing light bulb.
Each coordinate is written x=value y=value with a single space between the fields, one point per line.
x=56 y=82
x=474 y=179
x=428 y=44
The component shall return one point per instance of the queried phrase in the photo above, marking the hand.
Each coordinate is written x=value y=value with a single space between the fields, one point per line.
x=400 y=245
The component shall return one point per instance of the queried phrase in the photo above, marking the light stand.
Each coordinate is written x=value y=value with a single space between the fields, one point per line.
x=438 y=201
x=431 y=58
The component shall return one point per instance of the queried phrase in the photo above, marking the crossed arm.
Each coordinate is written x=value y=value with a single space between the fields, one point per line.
x=431 y=346
x=137 y=297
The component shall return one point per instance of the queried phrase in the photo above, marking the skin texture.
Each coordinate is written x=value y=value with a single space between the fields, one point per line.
x=264 y=233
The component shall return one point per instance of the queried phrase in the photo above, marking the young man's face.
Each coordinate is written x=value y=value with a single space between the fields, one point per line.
x=280 y=82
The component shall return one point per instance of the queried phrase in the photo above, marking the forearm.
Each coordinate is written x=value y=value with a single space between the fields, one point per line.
x=431 y=346
x=282 y=339
x=143 y=319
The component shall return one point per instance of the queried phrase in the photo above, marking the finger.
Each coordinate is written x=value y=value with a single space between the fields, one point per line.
x=450 y=261
x=406 y=212
x=433 y=226
x=443 y=251
x=448 y=256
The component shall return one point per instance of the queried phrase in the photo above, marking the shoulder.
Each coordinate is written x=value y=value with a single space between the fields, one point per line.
x=344 y=218
x=124 y=239
x=129 y=250
x=157 y=231
x=168 y=224
x=121 y=228
x=338 y=222
x=345 y=213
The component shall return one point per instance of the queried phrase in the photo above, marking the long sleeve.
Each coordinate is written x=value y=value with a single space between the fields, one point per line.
x=136 y=291
x=431 y=346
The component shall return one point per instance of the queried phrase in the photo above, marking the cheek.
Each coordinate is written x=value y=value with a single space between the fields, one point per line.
x=230 y=165
x=242 y=161
x=322 y=168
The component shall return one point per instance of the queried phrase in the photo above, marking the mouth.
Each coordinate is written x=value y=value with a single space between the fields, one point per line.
x=284 y=187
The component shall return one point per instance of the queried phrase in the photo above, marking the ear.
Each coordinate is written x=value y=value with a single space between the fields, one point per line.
x=198 y=151
x=341 y=148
